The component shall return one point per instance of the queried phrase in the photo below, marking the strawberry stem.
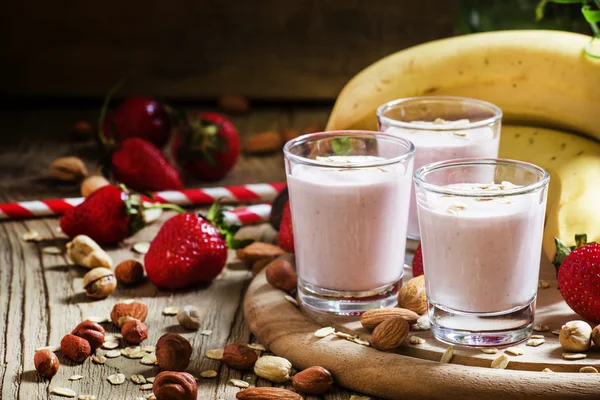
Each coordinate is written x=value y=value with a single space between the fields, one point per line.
x=107 y=142
x=166 y=206
x=216 y=217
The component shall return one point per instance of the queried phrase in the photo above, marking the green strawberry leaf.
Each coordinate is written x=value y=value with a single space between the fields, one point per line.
x=562 y=251
x=216 y=217
x=580 y=240
x=341 y=146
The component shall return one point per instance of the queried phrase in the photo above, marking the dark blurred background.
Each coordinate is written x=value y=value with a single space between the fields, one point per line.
x=267 y=50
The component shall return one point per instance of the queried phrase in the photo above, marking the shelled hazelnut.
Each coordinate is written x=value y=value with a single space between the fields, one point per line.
x=46 y=363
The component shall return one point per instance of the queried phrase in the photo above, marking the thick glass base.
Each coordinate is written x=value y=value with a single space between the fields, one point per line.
x=347 y=303
x=481 y=329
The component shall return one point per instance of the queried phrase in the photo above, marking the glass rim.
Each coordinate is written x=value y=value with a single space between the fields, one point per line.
x=532 y=187
x=496 y=118
x=410 y=149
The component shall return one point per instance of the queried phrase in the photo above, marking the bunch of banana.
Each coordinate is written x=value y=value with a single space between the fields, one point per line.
x=538 y=78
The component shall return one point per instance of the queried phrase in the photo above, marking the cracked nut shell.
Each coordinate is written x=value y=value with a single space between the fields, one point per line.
x=239 y=356
x=129 y=272
x=134 y=331
x=46 y=363
x=99 y=283
x=175 y=386
x=75 y=348
x=92 y=332
x=173 y=352
x=313 y=380
x=189 y=317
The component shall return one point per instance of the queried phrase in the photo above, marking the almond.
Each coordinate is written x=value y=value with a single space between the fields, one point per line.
x=313 y=380
x=134 y=310
x=267 y=393
x=257 y=251
x=390 y=334
x=233 y=103
x=412 y=295
x=239 y=356
x=372 y=318
x=68 y=169
x=281 y=275
x=264 y=142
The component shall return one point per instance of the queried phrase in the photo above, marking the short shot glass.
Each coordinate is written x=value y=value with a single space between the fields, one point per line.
x=349 y=196
x=442 y=128
x=481 y=226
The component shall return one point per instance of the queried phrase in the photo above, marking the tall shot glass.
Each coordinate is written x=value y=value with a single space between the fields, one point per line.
x=481 y=226
x=349 y=196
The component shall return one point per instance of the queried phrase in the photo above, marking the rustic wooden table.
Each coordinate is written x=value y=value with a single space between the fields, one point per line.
x=41 y=295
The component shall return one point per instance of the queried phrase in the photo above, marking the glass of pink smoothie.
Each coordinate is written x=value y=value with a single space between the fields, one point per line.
x=442 y=128
x=349 y=197
x=481 y=226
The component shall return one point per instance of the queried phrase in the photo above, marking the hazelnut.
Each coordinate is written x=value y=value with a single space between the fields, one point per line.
x=273 y=368
x=596 y=335
x=189 y=317
x=175 y=386
x=75 y=348
x=282 y=275
x=68 y=169
x=92 y=183
x=90 y=331
x=83 y=130
x=413 y=296
x=239 y=356
x=575 y=336
x=46 y=363
x=134 y=331
x=123 y=312
x=313 y=380
x=173 y=352
x=129 y=272
x=99 y=283
x=82 y=250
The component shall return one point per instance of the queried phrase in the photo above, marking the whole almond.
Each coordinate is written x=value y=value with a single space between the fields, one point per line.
x=68 y=169
x=390 y=334
x=313 y=380
x=239 y=356
x=267 y=393
x=129 y=272
x=133 y=310
x=281 y=275
x=92 y=183
x=264 y=142
x=257 y=251
x=75 y=348
x=412 y=295
x=372 y=318
x=233 y=103
x=46 y=363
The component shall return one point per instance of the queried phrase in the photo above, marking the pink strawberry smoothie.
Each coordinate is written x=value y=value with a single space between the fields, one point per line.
x=477 y=252
x=349 y=223
x=433 y=146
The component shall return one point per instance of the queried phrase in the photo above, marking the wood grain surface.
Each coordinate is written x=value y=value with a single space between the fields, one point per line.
x=269 y=49
x=41 y=295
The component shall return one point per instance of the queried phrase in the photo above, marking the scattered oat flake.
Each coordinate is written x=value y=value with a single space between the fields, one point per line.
x=150 y=379
x=239 y=383
x=588 y=369
x=51 y=250
x=514 y=351
x=113 y=354
x=257 y=346
x=31 y=235
x=53 y=349
x=65 y=392
x=537 y=337
x=344 y=335
x=547 y=370
x=150 y=396
x=574 y=356
x=97 y=359
x=141 y=247
x=111 y=338
x=324 y=332
x=116 y=379
x=489 y=350
x=86 y=397
x=98 y=320
x=556 y=332
x=209 y=373
x=541 y=328
x=133 y=352
x=146 y=386
x=110 y=345
x=149 y=359
x=448 y=354
x=291 y=299
x=214 y=354
x=149 y=349
x=137 y=378
x=75 y=377
x=360 y=341
x=416 y=340
x=543 y=284
x=355 y=397
x=170 y=310
x=501 y=362
x=207 y=332
x=535 y=342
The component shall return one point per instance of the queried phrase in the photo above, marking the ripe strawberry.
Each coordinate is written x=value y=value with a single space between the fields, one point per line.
x=141 y=117
x=579 y=276
x=417 y=262
x=207 y=146
x=286 y=234
x=140 y=165
x=108 y=216
x=190 y=249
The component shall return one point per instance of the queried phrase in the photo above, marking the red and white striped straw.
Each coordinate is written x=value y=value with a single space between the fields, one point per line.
x=186 y=197
x=248 y=215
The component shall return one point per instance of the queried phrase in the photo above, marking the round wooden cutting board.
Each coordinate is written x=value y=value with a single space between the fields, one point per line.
x=414 y=371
